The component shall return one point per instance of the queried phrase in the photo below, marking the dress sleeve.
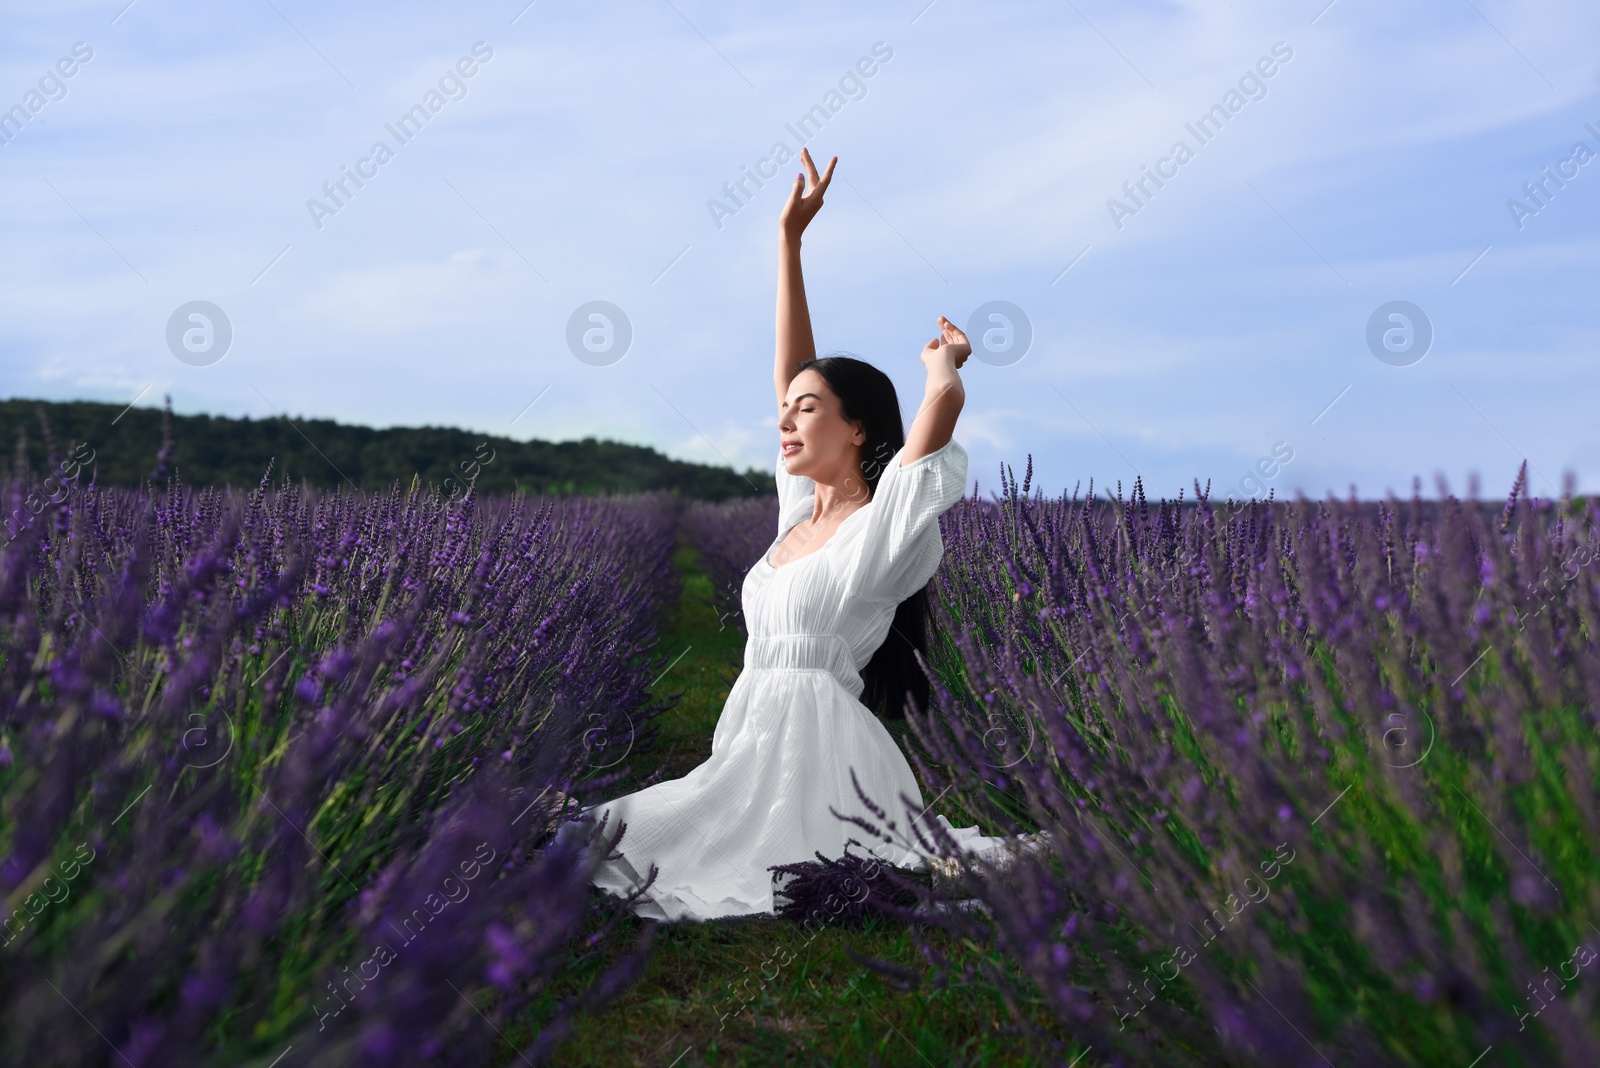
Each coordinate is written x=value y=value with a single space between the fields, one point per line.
x=796 y=497
x=900 y=548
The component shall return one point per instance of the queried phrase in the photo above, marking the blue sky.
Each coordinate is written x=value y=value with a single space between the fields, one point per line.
x=1221 y=321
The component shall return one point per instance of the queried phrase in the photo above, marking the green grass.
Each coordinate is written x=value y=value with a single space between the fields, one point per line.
x=719 y=993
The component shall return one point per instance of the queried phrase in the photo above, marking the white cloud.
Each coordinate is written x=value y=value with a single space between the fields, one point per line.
x=464 y=288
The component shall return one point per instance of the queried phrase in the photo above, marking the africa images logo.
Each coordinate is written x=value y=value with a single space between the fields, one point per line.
x=852 y=86
x=199 y=333
x=52 y=88
x=451 y=86
x=1252 y=86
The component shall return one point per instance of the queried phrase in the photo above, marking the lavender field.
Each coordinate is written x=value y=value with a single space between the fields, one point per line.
x=1317 y=780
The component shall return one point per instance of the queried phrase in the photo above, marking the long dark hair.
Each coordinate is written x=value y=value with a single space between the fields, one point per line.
x=867 y=394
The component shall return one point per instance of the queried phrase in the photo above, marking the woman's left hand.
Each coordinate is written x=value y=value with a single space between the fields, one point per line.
x=952 y=342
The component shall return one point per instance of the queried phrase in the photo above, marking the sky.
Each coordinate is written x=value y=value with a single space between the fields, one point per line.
x=1290 y=247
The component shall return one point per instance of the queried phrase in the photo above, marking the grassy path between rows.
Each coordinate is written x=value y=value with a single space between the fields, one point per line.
x=822 y=1008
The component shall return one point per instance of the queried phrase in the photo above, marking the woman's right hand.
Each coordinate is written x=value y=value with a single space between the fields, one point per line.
x=951 y=344
x=802 y=207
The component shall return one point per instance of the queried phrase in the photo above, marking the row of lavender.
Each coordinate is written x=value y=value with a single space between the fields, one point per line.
x=274 y=765
x=730 y=537
x=1318 y=779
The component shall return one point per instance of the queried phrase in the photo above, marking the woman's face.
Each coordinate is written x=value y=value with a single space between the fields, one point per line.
x=814 y=435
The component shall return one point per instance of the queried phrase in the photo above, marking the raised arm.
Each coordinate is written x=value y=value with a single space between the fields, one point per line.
x=942 y=397
x=795 y=343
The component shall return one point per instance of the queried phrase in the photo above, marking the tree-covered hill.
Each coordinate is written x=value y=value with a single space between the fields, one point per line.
x=217 y=450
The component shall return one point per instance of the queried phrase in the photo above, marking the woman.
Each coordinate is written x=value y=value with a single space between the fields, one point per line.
x=858 y=538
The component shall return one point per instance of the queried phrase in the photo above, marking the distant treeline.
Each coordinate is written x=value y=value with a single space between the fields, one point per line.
x=217 y=450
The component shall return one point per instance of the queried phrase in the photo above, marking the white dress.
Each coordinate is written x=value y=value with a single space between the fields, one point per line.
x=793 y=726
